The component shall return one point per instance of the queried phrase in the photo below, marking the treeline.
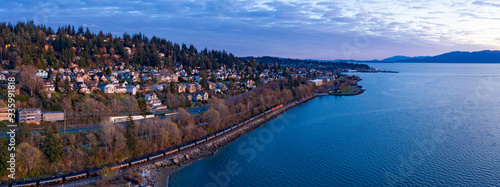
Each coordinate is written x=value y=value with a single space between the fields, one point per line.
x=29 y=44
x=301 y=62
x=49 y=153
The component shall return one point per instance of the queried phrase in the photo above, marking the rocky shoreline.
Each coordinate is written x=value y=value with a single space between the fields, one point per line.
x=156 y=173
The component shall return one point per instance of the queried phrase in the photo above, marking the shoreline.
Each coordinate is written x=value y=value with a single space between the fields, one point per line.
x=158 y=173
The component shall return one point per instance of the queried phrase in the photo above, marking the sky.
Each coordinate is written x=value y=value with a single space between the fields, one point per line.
x=312 y=29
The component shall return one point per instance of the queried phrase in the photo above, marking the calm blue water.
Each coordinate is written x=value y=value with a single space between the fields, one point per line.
x=429 y=125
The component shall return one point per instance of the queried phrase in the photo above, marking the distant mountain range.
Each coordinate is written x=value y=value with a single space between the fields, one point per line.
x=402 y=58
x=486 y=56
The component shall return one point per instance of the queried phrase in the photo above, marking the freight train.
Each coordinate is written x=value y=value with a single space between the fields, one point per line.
x=95 y=172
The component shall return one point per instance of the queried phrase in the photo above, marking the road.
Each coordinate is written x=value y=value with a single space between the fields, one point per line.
x=195 y=110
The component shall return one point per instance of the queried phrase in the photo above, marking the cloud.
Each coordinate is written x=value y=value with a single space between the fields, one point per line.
x=485 y=3
x=289 y=28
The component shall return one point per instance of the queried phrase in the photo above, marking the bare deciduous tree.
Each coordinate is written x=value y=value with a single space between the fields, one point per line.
x=116 y=106
x=29 y=156
x=29 y=80
x=131 y=104
x=108 y=133
x=213 y=117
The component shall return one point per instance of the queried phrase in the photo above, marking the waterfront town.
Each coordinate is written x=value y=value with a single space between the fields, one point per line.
x=147 y=81
x=86 y=101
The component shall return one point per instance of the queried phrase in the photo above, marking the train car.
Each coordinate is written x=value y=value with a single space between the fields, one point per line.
x=75 y=177
x=227 y=130
x=171 y=152
x=115 y=167
x=219 y=133
x=156 y=156
x=121 y=166
x=187 y=146
x=139 y=161
x=56 y=180
x=211 y=137
x=32 y=183
x=234 y=127
x=93 y=173
x=200 y=141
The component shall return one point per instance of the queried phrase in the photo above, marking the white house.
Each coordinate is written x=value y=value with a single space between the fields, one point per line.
x=107 y=88
x=42 y=73
x=131 y=89
x=120 y=89
x=152 y=100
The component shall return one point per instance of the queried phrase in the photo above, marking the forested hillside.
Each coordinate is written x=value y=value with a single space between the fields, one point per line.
x=41 y=46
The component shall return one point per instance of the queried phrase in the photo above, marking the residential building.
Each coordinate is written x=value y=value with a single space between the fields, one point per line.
x=42 y=73
x=53 y=116
x=112 y=79
x=191 y=88
x=4 y=111
x=82 y=87
x=29 y=115
x=107 y=88
x=181 y=88
x=131 y=89
x=316 y=82
x=199 y=96
x=211 y=85
x=49 y=87
x=157 y=87
x=152 y=99
x=120 y=89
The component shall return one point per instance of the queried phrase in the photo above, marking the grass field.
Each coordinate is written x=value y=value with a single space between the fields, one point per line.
x=347 y=91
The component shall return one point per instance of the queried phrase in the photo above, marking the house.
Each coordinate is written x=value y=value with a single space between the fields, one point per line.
x=216 y=91
x=42 y=73
x=211 y=85
x=53 y=116
x=174 y=78
x=49 y=87
x=181 y=88
x=132 y=89
x=199 y=96
x=120 y=89
x=29 y=115
x=189 y=97
x=157 y=87
x=127 y=50
x=82 y=87
x=112 y=79
x=152 y=100
x=221 y=86
x=159 y=77
x=94 y=77
x=145 y=88
x=316 y=82
x=92 y=85
x=81 y=77
x=65 y=76
x=191 y=88
x=198 y=86
x=249 y=83
x=107 y=88
x=3 y=77
x=103 y=78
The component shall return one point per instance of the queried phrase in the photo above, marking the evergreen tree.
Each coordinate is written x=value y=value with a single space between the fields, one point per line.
x=131 y=136
x=4 y=155
x=52 y=144
x=58 y=82
x=108 y=71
